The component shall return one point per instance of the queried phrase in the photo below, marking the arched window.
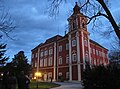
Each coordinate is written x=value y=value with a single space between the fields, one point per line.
x=60 y=60
x=74 y=57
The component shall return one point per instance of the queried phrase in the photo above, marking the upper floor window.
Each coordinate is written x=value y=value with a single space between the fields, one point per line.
x=60 y=61
x=60 y=48
x=32 y=55
x=83 y=25
x=42 y=54
x=93 y=51
x=67 y=46
x=67 y=59
x=50 y=61
x=41 y=62
x=74 y=42
x=74 y=57
x=90 y=50
x=86 y=57
x=35 y=64
x=95 y=62
x=73 y=25
x=50 y=51
x=45 y=62
x=99 y=53
x=85 y=42
x=96 y=52
x=36 y=55
x=46 y=52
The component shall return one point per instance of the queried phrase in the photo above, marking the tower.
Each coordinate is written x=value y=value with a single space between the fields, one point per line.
x=79 y=45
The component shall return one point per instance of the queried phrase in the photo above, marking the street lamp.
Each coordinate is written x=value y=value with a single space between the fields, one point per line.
x=38 y=74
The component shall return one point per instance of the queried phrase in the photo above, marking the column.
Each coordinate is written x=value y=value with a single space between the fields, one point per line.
x=70 y=61
x=38 y=59
x=89 y=53
x=54 y=78
x=83 y=52
x=78 y=57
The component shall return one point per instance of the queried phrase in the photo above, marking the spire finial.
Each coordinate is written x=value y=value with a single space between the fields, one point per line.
x=76 y=3
x=76 y=9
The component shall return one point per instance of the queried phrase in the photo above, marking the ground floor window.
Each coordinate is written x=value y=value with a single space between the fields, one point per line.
x=67 y=75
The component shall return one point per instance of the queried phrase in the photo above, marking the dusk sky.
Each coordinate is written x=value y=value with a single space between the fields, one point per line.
x=33 y=24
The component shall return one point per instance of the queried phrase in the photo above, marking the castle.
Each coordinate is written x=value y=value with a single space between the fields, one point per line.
x=66 y=56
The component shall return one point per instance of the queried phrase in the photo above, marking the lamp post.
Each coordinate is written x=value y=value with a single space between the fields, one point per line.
x=37 y=74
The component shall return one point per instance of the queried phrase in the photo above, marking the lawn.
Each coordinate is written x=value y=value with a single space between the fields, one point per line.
x=42 y=85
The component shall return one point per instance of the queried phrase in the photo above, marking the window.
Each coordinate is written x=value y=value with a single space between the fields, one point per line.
x=46 y=52
x=67 y=46
x=86 y=57
x=49 y=75
x=73 y=25
x=42 y=54
x=60 y=48
x=85 y=42
x=73 y=43
x=90 y=50
x=41 y=62
x=67 y=75
x=96 y=52
x=67 y=59
x=101 y=61
x=74 y=57
x=45 y=62
x=60 y=73
x=94 y=62
x=93 y=51
x=50 y=61
x=60 y=61
x=50 y=51
x=99 y=53
x=35 y=64
x=36 y=55
x=83 y=25
x=32 y=55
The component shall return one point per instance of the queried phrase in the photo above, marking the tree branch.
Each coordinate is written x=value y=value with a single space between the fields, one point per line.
x=94 y=16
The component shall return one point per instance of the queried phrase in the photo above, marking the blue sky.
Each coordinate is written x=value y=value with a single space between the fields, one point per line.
x=33 y=24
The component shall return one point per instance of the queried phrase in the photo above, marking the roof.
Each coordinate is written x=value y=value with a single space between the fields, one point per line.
x=97 y=44
x=52 y=39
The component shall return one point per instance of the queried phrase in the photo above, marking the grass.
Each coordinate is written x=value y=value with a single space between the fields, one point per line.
x=42 y=85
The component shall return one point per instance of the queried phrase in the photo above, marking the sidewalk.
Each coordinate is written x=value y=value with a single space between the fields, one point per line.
x=68 y=85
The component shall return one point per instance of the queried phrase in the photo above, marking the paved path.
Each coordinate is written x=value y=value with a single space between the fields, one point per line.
x=68 y=85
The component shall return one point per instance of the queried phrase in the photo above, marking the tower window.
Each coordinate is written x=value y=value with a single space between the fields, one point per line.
x=83 y=25
x=73 y=42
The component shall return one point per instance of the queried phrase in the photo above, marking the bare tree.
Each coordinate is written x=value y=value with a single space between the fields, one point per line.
x=6 y=25
x=92 y=9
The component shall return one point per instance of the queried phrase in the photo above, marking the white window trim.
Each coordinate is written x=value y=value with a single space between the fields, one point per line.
x=73 y=42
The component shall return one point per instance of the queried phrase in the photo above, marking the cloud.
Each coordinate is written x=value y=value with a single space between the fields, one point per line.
x=33 y=25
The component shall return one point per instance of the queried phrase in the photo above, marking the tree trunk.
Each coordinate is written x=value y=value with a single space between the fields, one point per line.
x=110 y=18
